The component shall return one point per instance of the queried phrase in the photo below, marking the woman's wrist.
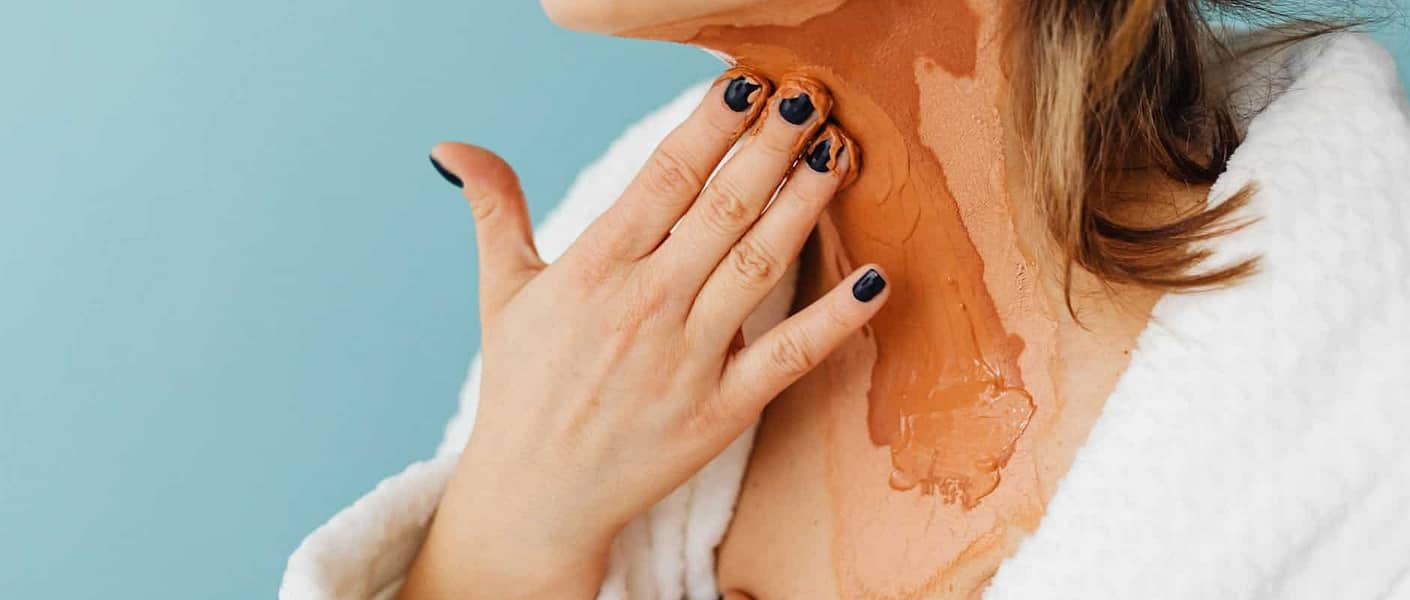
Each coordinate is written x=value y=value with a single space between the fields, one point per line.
x=489 y=539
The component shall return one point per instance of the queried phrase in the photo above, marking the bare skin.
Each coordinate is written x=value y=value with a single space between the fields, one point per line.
x=615 y=16
x=909 y=463
x=786 y=526
x=594 y=409
x=816 y=497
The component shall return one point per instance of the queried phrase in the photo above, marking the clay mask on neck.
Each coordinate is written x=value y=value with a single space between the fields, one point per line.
x=919 y=85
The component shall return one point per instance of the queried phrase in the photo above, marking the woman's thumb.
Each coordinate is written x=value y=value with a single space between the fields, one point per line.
x=508 y=258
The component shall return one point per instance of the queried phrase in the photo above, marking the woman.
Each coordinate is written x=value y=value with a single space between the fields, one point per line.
x=1029 y=189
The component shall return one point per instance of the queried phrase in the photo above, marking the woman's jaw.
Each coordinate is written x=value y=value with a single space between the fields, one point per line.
x=627 y=17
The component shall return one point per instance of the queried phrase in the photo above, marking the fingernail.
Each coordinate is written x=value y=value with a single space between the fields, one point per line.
x=870 y=284
x=739 y=93
x=455 y=181
x=821 y=155
x=797 y=109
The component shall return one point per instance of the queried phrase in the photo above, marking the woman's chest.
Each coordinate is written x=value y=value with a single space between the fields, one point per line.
x=820 y=517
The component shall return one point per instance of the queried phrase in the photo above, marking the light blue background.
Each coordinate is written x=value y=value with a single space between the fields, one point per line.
x=233 y=294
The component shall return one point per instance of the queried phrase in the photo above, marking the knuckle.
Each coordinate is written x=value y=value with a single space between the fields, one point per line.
x=588 y=270
x=670 y=174
x=482 y=205
x=721 y=125
x=609 y=238
x=835 y=318
x=791 y=196
x=795 y=204
x=779 y=142
x=725 y=210
x=711 y=417
x=647 y=301
x=754 y=265
x=791 y=355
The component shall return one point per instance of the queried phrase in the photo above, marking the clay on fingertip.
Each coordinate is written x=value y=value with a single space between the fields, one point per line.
x=800 y=98
x=828 y=152
x=739 y=93
x=744 y=91
x=820 y=157
x=792 y=87
x=796 y=109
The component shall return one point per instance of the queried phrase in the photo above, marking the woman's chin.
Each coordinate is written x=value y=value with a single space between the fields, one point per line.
x=592 y=16
x=620 y=17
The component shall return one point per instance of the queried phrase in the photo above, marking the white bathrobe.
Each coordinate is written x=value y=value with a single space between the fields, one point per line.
x=1258 y=445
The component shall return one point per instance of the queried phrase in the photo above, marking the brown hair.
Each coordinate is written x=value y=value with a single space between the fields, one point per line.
x=1098 y=82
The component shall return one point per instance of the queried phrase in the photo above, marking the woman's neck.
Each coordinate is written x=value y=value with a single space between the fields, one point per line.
x=968 y=338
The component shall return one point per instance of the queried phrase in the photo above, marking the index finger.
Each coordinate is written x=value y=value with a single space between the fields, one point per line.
x=677 y=170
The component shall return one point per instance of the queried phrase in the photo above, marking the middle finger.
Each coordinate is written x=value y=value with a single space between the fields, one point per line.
x=736 y=196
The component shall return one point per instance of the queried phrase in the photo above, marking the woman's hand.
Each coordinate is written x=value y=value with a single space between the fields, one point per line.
x=614 y=374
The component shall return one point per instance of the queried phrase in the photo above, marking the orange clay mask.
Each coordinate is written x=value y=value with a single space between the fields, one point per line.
x=947 y=394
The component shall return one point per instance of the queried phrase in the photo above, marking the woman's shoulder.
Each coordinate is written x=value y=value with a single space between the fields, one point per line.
x=1336 y=101
x=1324 y=324
x=1253 y=420
x=1328 y=158
x=1327 y=155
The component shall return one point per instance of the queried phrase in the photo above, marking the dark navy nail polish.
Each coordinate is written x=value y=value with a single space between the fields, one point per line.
x=455 y=181
x=870 y=284
x=797 y=109
x=737 y=93
x=820 y=155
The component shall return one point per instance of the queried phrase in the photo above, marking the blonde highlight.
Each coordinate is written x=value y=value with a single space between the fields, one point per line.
x=1098 y=82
